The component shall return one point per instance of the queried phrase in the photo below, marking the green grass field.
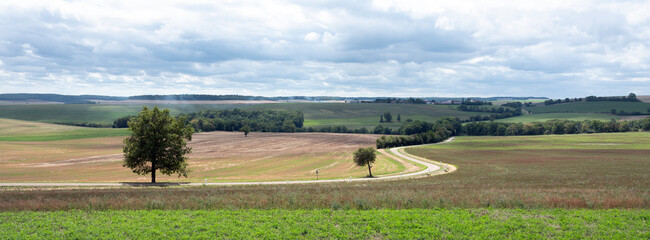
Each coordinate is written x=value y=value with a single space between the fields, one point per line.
x=542 y=117
x=328 y=224
x=23 y=131
x=357 y=115
x=316 y=114
x=592 y=107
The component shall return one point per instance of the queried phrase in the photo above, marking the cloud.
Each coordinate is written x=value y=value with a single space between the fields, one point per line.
x=377 y=48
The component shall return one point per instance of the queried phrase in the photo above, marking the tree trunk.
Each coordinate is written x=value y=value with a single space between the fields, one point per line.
x=369 y=172
x=153 y=172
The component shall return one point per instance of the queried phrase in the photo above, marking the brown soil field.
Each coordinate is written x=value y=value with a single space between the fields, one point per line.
x=644 y=98
x=216 y=156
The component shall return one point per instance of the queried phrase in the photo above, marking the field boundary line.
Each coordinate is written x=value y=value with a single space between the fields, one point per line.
x=432 y=168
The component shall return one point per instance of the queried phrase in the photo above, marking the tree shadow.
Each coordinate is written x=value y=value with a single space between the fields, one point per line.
x=158 y=184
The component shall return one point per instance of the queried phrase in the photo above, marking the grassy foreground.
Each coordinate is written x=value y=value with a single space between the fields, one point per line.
x=320 y=224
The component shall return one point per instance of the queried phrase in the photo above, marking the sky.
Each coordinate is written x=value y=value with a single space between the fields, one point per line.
x=398 y=48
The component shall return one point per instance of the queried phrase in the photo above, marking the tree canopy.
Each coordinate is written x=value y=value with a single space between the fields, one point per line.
x=365 y=156
x=157 y=142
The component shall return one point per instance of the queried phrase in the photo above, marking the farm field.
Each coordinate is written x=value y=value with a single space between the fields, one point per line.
x=22 y=131
x=92 y=113
x=542 y=117
x=358 y=115
x=326 y=224
x=594 y=171
x=40 y=152
x=592 y=107
x=316 y=114
x=644 y=98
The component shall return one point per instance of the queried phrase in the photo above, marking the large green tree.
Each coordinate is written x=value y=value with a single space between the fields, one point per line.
x=365 y=156
x=158 y=142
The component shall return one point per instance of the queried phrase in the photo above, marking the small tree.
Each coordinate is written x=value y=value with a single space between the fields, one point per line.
x=245 y=129
x=399 y=118
x=388 y=117
x=632 y=97
x=365 y=156
x=157 y=142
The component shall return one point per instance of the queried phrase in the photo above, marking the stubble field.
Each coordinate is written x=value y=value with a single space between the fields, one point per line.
x=216 y=156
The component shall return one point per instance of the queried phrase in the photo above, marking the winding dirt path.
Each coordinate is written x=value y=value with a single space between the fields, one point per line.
x=432 y=168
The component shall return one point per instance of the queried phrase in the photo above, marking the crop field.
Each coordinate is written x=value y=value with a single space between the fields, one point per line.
x=327 y=224
x=595 y=171
x=92 y=113
x=542 y=117
x=592 y=107
x=316 y=114
x=40 y=152
x=22 y=131
x=645 y=98
x=357 y=115
x=551 y=186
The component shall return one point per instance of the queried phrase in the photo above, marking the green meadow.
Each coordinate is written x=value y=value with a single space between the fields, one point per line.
x=543 y=117
x=592 y=107
x=357 y=115
x=316 y=114
x=24 y=131
x=328 y=224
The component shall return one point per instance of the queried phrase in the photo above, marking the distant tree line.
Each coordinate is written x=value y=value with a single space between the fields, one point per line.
x=234 y=120
x=553 y=127
x=624 y=113
x=497 y=113
x=423 y=133
x=558 y=101
x=420 y=132
x=85 y=124
x=513 y=105
x=470 y=102
x=630 y=98
x=401 y=101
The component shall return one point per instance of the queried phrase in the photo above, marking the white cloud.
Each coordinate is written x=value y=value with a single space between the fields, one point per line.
x=312 y=37
x=462 y=47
